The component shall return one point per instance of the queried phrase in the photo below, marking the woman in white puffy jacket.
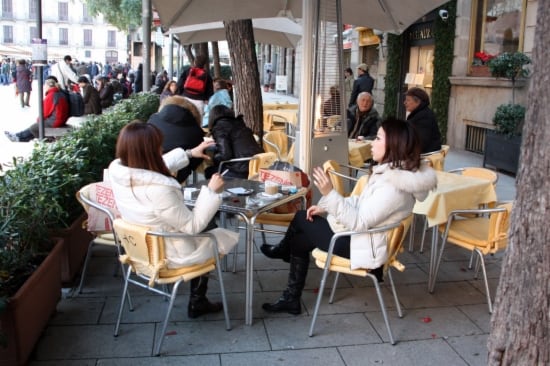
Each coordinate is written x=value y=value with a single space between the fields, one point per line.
x=146 y=193
x=396 y=183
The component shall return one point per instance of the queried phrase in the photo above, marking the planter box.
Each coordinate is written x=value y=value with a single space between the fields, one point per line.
x=501 y=152
x=76 y=240
x=480 y=71
x=30 y=309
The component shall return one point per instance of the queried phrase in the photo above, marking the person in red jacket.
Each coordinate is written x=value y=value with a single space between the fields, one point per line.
x=55 y=112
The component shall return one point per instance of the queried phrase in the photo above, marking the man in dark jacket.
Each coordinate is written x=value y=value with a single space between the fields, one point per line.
x=363 y=118
x=423 y=119
x=179 y=121
x=363 y=83
x=233 y=140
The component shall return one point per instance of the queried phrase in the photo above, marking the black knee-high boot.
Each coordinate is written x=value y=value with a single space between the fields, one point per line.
x=290 y=299
x=281 y=250
x=198 y=303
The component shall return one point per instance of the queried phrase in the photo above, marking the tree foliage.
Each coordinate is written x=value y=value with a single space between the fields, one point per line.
x=123 y=14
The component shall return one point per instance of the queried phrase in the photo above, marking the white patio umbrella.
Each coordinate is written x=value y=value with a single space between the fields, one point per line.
x=386 y=15
x=280 y=31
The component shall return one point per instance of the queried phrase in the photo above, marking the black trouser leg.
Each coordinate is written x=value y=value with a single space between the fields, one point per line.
x=290 y=299
x=198 y=303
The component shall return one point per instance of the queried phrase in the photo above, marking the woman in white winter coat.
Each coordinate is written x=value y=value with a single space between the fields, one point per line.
x=146 y=193
x=393 y=188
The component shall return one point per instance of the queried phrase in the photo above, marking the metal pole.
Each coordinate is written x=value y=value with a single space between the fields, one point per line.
x=39 y=70
x=170 y=65
x=146 y=27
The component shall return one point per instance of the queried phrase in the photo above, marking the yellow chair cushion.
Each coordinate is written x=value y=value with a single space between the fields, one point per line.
x=469 y=233
x=337 y=263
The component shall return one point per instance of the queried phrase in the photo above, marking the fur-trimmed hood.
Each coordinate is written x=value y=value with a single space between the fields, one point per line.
x=186 y=107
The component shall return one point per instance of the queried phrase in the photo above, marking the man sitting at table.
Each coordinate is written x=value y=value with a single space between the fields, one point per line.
x=363 y=118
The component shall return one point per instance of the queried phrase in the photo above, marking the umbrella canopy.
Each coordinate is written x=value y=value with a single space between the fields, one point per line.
x=281 y=31
x=386 y=15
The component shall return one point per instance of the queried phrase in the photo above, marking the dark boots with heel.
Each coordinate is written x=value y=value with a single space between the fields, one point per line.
x=198 y=303
x=281 y=250
x=289 y=301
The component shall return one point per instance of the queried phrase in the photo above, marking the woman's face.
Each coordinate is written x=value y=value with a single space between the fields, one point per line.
x=379 y=146
x=173 y=87
x=411 y=103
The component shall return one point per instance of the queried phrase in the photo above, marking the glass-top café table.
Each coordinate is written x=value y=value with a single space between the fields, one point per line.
x=246 y=199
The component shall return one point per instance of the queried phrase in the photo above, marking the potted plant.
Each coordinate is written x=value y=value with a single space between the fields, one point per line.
x=480 y=67
x=502 y=145
x=37 y=201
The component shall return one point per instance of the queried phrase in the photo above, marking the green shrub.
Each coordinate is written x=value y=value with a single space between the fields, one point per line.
x=509 y=65
x=38 y=195
x=508 y=119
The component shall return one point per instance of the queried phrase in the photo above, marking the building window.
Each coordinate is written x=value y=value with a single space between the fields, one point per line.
x=32 y=9
x=85 y=15
x=33 y=33
x=63 y=11
x=498 y=26
x=87 y=37
x=111 y=38
x=88 y=54
x=8 y=34
x=7 y=9
x=63 y=36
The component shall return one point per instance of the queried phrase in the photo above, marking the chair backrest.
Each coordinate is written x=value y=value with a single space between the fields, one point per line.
x=499 y=222
x=436 y=159
x=337 y=181
x=360 y=185
x=261 y=161
x=277 y=142
x=396 y=237
x=97 y=199
x=341 y=182
x=143 y=252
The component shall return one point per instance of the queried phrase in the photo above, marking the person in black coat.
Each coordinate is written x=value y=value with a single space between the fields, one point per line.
x=423 y=119
x=179 y=121
x=363 y=83
x=363 y=118
x=233 y=140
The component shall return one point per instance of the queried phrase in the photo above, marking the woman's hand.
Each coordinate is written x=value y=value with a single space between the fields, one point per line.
x=322 y=181
x=216 y=183
x=198 y=151
x=313 y=211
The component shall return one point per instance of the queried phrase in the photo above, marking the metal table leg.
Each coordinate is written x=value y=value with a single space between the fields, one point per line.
x=433 y=260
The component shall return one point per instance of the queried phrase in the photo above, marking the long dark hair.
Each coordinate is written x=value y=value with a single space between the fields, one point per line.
x=402 y=144
x=139 y=145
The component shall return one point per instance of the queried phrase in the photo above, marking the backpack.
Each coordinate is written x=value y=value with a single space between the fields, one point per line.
x=195 y=84
x=76 y=103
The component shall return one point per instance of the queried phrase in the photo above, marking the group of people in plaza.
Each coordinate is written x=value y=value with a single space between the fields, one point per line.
x=154 y=158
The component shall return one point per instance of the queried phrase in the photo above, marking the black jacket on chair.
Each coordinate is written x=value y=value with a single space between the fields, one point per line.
x=180 y=128
x=424 y=121
x=234 y=140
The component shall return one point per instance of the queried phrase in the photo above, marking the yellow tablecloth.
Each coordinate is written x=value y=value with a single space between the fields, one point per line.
x=272 y=117
x=359 y=152
x=454 y=192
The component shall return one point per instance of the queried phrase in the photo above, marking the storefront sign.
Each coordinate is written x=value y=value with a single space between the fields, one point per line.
x=421 y=33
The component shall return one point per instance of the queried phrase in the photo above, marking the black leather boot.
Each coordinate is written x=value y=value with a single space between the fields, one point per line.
x=281 y=250
x=289 y=301
x=198 y=303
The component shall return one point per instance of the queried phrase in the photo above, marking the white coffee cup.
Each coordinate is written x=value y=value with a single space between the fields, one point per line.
x=271 y=188
x=188 y=193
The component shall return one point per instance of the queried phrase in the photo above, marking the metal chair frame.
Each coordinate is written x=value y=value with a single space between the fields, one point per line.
x=327 y=269
x=175 y=281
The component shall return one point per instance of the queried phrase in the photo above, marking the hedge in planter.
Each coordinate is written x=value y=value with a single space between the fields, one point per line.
x=38 y=195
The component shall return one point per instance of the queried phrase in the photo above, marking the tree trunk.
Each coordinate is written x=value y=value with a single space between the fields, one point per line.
x=189 y=53
x=521 y=321
x=246 y=78
x=216 y=60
